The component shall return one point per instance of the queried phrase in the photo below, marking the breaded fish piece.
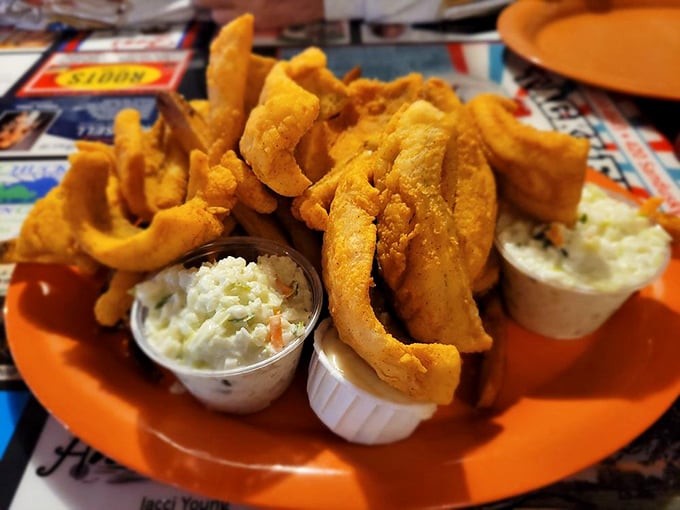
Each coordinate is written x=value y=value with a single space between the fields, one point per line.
x=128 y=140
x=226 y=78
x=214 y=184
x=101 y=229
x=45 y=237
x=359 y=128
x=540 y=172
x=250 y=190
x=167 y=169
x=428 y=372
x=418 y=251
x=472 y=196
x=258 y=69
x=274 y=128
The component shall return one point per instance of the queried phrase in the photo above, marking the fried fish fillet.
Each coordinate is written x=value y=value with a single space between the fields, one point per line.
x=418 y=251
x=97 y=222
x=167 y=169
x=471 y=195
x=45 y=237
x=540 y=172
x=128 y=139
x=357 y=129
x=286 y=111
x=250 y=190
x=428 y=372
x=214 y=184
x=226 y=78
x=258 y=69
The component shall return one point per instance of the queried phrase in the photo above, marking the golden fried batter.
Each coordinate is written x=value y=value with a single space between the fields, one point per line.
x=428 y=372
x=46 y=237
x=274 y=128
x=114 y=304
x=128 y=139
x=473 y=195
x=100 y=228
x=226 y=78
x=214 y=184
x=541 y=172
x=359 y=128
x=250 y=190
x=418 y=251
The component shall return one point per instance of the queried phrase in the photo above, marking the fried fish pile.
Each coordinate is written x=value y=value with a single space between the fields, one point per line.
x=382 y=184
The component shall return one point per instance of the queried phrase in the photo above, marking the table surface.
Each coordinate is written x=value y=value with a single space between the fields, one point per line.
x=43 y=466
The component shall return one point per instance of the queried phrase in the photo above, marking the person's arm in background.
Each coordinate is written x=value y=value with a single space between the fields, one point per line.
x=384 y=11
x=268 y=14
x=272 y=14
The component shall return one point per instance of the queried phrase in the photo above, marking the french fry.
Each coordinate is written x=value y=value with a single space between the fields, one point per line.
x=492 y=372
x=258 y=225
x=114 y=304
x=189 y=127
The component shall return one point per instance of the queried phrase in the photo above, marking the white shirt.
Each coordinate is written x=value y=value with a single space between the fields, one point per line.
x=384 y=11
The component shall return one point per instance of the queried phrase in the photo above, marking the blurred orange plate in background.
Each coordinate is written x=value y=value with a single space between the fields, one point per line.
x=629 y=46
x=568 y=404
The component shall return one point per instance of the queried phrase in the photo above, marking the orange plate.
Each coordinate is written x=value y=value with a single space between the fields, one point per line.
x=568 y=404
x=625 y=45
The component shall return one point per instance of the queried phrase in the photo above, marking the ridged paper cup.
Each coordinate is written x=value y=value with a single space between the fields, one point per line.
x=249 y=388
x=352 y=412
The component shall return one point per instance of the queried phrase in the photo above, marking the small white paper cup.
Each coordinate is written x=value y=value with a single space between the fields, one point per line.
x=249 y=388
x=352 y=412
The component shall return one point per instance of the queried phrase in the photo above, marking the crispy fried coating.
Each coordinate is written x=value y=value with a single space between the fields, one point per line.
x=493 y=370
x=114 y=304
x=358 y=128
x=167 y=170
x=472 y=195
x=250 y=190
x=312 y=153
x=258 y=69
x=428 y=372
x=286 y=111
x=214 y=184
x=226 y=78
x=540 y=172
x=418 y=251
x=670 y=222
x=310 y=72
x=441 y=94
x=45 y=237
x=103 y=232
x=128 y=139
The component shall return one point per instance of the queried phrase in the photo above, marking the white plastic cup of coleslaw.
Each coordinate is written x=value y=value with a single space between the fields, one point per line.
x=571 y=290
x=216 y=337
x=349 y=398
